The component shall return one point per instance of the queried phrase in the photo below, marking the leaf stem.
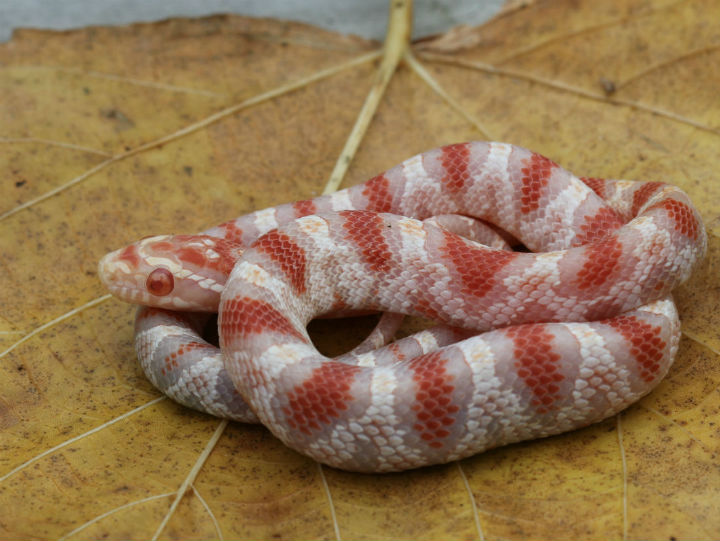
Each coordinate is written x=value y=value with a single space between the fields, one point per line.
x=397 y=41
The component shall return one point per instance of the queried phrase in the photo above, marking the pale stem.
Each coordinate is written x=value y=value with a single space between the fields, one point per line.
x=397 y=41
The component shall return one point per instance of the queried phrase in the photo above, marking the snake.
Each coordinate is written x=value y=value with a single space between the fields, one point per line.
x=568 y=331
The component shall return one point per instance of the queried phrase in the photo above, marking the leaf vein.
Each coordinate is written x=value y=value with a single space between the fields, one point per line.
x=571 y=89
x=98 y=428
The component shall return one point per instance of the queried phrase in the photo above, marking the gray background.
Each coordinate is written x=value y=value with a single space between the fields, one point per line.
x=366 y=18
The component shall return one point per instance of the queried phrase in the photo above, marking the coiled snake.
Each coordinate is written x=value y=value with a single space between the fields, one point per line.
x=530 y=343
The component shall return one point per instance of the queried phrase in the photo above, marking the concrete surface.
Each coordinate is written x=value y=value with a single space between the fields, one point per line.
x=366 y=18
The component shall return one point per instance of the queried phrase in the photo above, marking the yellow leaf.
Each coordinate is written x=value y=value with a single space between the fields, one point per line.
x=111 y=134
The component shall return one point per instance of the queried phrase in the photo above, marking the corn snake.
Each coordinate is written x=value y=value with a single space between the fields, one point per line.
x=571 y=333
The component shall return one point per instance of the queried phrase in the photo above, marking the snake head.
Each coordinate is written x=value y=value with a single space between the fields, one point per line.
x=177 y=272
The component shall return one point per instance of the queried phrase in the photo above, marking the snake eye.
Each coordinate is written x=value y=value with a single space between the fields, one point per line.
x=160 y=282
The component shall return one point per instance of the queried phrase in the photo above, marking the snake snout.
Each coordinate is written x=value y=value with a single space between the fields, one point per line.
x=105 y=270
x=116 y=275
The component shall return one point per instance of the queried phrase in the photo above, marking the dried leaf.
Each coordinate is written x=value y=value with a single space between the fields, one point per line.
x=111 y=134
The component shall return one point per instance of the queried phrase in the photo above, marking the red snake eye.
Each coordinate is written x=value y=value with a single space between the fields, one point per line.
x=160 y=282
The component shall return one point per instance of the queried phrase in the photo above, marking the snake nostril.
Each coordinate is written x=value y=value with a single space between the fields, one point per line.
x=160 y=282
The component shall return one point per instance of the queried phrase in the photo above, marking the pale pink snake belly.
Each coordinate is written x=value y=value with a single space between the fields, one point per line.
x=582 y=329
